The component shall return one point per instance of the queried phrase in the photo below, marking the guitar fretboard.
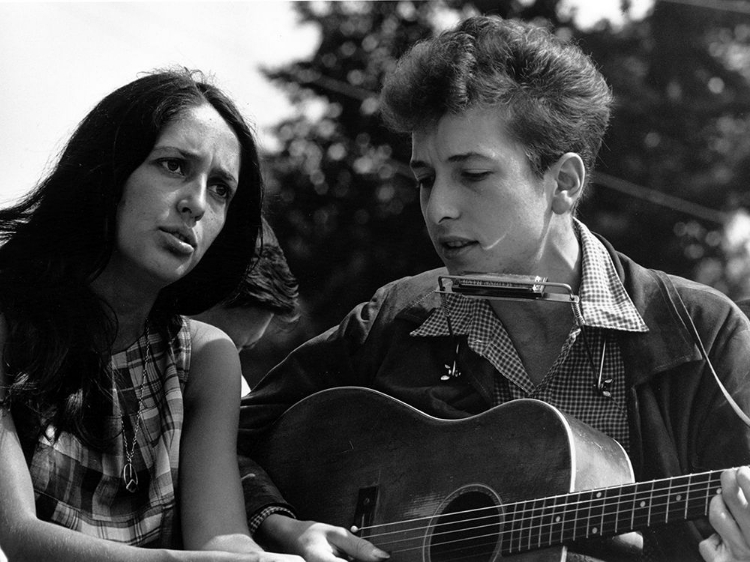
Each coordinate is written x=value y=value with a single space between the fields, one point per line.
x=606 y=512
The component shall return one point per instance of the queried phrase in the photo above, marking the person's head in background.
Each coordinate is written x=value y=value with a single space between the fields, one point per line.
x=268 y=292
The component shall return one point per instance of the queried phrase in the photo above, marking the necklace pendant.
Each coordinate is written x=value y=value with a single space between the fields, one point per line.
x=130 y=477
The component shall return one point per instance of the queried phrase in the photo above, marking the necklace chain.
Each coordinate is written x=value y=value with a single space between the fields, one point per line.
x=129 y=475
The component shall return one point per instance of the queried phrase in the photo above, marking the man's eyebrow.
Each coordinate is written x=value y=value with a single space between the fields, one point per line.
x=455 y=158
x=465 y=156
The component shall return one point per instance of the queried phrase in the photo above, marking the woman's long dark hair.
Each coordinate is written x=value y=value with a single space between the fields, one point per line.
x=59 y=238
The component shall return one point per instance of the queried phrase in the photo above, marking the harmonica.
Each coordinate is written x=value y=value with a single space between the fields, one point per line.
x=507 y=286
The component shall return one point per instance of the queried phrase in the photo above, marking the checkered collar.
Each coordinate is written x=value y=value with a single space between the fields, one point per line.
x=604 y=301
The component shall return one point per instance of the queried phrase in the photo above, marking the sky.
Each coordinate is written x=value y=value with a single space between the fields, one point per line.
x=58 y=59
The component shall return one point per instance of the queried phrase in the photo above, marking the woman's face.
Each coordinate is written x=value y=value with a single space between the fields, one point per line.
x=175 y=203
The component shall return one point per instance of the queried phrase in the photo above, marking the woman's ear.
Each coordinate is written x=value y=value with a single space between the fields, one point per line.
x=569 y=176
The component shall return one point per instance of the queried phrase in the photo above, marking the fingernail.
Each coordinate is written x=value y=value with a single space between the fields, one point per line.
x=382 y=554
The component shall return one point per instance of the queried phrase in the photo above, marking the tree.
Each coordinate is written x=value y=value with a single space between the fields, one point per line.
x=680 y=128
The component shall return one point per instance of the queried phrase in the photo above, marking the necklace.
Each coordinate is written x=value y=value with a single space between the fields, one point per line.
x=129 y=475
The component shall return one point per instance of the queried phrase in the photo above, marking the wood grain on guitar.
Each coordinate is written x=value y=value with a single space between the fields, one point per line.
x=522 y=481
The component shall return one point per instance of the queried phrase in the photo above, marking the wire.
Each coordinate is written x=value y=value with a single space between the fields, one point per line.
x=739 y=7
x=659 y=198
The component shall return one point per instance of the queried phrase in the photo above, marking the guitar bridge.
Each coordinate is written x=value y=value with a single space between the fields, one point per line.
x=364 y=512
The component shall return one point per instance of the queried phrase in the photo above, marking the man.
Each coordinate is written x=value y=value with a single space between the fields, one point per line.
x=268 y=292
x=506 y=123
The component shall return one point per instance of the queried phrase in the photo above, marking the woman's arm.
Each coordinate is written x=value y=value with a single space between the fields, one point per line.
x=212 y=505
x=26 y=538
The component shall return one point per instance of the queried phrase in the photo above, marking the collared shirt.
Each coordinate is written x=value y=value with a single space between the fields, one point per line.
x=589 y=354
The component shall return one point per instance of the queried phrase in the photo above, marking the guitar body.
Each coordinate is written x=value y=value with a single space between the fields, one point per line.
x=356 y=457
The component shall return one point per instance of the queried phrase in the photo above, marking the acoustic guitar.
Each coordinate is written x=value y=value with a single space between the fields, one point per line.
x=521 y=481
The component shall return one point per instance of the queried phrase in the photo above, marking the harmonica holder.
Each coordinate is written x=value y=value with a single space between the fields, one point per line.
x=522 y=288
x=507 y=287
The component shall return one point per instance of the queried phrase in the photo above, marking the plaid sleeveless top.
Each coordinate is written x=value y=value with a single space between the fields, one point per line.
x=83 y=489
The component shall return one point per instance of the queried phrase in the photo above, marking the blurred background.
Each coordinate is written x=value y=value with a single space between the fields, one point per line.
x=671 y=189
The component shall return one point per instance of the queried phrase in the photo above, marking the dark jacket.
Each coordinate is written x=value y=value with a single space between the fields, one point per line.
x=679 y=420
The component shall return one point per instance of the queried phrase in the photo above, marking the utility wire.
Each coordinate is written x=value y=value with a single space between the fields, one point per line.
x=736 y=6
x=659 y=198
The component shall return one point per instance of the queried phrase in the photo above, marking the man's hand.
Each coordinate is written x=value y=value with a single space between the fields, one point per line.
x=729 y=514
x=317 y=542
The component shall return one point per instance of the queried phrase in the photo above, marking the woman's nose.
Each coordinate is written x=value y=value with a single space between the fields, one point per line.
x=193 y=200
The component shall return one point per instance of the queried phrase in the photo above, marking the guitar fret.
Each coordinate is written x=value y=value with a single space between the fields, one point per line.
x=526 y=528
x=554 y=522
x=611 y=512
x=642 y=505
x=676 y=498
x=516 y=520
x=626 y=513
x=537 y=523
x=593 y=508
x=709 y=484
x=687 y=497
x=659 y=504
x=576 y=503
x=517 y=530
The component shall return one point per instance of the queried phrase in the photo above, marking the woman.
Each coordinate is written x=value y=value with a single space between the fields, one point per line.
x=118 y=418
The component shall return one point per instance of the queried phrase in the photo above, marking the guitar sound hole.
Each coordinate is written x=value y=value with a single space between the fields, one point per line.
x=467 y=530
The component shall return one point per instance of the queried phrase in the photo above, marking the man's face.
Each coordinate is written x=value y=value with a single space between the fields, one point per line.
x=484 y=208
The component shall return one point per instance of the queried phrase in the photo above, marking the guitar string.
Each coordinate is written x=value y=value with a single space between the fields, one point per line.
x=520 y=525
x=526 y=538
x=672 y=490
x=537 y=512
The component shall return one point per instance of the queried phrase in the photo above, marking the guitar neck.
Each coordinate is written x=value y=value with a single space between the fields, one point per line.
x=606 y=512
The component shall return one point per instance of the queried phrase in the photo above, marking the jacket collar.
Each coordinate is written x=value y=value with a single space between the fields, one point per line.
x=668 y=342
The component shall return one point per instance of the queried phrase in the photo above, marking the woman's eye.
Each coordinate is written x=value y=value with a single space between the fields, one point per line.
x=223 y=191
x=172 y=165
x=424 y=183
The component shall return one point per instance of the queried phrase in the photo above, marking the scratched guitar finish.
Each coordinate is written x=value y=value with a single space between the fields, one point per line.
x=519 y=482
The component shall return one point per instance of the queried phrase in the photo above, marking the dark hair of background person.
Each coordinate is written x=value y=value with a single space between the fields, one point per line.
x=551 y=108
x=269 y=284
x=59 y=238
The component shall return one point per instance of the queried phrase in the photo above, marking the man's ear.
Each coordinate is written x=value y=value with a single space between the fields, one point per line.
x=569 y=175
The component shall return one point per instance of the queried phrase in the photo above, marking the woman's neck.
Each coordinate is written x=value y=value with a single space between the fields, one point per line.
x=129 y=307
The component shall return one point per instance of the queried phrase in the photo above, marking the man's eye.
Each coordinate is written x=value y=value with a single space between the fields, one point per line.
x=475 y=176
